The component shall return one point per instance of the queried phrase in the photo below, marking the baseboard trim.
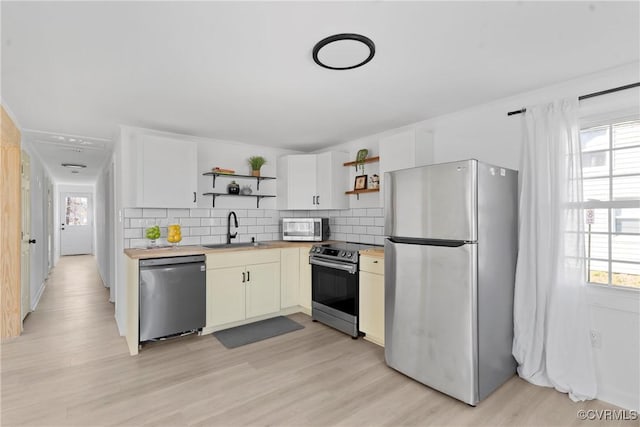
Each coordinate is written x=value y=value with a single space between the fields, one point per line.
x=35 y=303
x=620 y=398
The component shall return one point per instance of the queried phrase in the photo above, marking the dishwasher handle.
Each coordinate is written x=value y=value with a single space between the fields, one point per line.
x=171 y=260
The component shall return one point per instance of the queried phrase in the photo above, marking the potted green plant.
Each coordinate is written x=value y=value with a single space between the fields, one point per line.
x=256 y=163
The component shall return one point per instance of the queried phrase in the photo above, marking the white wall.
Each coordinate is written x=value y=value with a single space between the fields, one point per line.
x=39 y=270
x=104 y=223
x=486 y=133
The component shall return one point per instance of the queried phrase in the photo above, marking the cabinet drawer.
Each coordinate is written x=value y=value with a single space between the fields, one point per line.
x=240 y=258
x=372 y=264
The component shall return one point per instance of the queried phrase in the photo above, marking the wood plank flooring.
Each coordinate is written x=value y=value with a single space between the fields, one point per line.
x=71 y=368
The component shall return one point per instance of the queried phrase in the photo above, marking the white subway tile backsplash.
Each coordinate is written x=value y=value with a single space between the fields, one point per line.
x=359 y=229
x=365 y=238
x=132 y=212
x=376 y=231
x=209 y=226
x=219 y=213
x=249 y=221
x=207 y=222
x=154 y=213
x=190 y=222
x=200 y=231
x=339 y=220
x=190 y=240
x=177 y=213
x=137 y=222
x=133 y=233
x=200 y=213
x=255 y=229
x=367 y=220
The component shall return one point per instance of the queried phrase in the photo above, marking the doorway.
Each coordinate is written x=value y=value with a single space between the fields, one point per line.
x=76 y=228
x=25 y=249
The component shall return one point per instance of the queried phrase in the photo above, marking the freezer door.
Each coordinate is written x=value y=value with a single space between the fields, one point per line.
x=432 y=202
x=430 y=312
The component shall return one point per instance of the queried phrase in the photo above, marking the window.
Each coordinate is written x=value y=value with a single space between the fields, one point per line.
x=611 y=191
x=76 y=210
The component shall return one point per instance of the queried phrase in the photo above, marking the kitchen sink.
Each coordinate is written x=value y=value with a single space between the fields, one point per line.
x=234 y=245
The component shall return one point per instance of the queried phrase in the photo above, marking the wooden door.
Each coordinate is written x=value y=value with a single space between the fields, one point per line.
x=263 y=289
x=225 y=295
x=25 y=247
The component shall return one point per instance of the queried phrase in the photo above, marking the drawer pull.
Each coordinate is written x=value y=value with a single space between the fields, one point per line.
x=375 y=262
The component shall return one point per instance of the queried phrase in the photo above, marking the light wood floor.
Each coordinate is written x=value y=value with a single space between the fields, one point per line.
x=70 y=367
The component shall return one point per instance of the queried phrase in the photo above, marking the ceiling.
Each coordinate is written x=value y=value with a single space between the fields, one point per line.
x=244 y=71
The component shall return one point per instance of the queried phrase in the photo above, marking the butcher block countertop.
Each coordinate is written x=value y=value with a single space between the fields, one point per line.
x=140 y=253
x=379 y=253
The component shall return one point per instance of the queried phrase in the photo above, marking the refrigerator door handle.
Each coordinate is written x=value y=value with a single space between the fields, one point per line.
x=430 y=242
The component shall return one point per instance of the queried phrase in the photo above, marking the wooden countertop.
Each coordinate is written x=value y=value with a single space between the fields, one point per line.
x=139 y=253
x=378 y=253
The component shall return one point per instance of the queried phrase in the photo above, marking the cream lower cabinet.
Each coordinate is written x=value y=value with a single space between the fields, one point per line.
x=371 y=300
x=289 y=277
x=242 y=285
x=305 y=280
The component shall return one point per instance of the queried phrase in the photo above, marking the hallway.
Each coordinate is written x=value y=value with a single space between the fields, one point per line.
x=71 y=335
x=70 y=367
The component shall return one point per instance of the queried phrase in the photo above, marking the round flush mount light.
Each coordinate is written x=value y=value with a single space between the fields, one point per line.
x=344 y=51
x=74 y=165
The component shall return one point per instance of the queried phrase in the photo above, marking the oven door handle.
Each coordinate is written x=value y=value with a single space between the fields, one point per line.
x=349 y=268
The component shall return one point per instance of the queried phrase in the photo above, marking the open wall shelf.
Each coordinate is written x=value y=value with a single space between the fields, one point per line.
x=367 y=160
x=214 y=175
x=366 y=190
x=257 y=196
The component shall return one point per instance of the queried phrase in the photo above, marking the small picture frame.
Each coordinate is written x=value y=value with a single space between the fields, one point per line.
x=360 y=183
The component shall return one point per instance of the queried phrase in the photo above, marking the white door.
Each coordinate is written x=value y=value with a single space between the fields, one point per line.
x=25 y=250
x=76 y=228
x=263 y=289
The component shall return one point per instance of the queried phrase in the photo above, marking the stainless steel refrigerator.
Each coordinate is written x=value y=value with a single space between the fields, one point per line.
x=450 y=257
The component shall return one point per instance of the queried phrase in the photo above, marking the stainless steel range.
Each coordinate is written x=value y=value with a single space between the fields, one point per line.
x=334 y=285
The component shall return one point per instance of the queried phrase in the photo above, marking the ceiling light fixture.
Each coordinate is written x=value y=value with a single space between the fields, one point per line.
x=344 y=51
x=74 y=165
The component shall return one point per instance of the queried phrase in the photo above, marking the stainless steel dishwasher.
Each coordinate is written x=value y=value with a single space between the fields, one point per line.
x=172 y=296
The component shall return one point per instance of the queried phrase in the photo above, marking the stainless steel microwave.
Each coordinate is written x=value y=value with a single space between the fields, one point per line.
x=305 y=229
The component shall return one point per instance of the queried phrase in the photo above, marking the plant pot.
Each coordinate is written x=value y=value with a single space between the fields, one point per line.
x=255 y=173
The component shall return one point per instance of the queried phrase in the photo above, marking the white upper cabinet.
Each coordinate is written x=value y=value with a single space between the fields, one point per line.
x=164 y=170
x=312 y=181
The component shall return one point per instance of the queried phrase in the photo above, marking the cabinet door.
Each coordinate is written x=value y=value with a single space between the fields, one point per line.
x=371 y=306
x=289 y=277
x=263 y=289
x=225 y=295
x=331 y=181
x=169 y=173
x=301 y=182
x=305 y=279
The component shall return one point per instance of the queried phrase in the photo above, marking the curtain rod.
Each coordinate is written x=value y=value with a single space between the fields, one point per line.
x=587 y=96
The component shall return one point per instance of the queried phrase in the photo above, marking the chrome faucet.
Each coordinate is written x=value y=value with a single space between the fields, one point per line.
x=235 y=219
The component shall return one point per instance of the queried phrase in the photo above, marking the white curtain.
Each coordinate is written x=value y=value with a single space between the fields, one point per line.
x=551 y=325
